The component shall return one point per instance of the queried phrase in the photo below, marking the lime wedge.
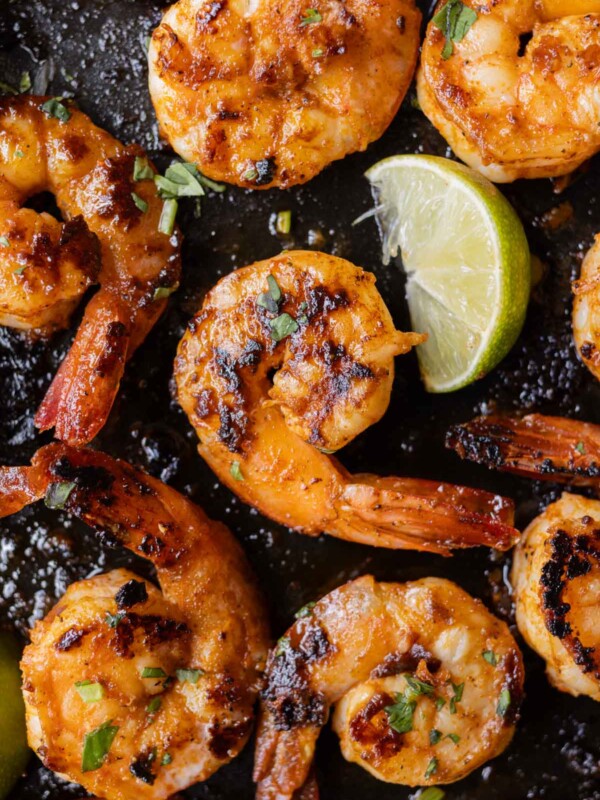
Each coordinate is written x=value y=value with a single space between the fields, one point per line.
x=14 y=752
x=467 y=263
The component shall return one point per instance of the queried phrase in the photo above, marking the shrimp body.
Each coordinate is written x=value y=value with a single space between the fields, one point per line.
x=586 y=310
x=556 y=577
x=174 y=672
x=418 y=702
x=110 y=235
x=513 y=114
x=287 y=361
x=268 y=93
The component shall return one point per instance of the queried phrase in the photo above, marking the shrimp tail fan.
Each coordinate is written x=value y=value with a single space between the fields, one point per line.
x=409 y=513
x=535 y=446
x=83 y=391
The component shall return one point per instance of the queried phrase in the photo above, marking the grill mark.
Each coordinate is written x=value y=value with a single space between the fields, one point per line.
x=70 y=639
x=570 y=558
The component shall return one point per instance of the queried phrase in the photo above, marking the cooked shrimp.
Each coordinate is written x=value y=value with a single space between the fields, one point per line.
x=111 y=234
x=556 y=578
x=512 y=110
x=535 y=446
x=586 y=310
x=288 y=360
x=131 y=691
x=428 y=685
x=268 y=93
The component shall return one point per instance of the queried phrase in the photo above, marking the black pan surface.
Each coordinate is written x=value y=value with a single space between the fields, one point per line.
x=95 y=50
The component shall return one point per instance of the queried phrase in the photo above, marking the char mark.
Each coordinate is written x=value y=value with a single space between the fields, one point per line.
x=70 y=639
x=131 y=593
x=571 y=558
x=155 y=630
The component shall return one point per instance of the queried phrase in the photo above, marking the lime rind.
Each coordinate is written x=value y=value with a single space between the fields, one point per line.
x=454 y=228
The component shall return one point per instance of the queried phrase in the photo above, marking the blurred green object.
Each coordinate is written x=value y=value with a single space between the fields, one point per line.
x=14 y=752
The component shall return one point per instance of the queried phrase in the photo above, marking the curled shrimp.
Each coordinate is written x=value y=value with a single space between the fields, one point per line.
x=427 y=684
x=288 y=360
x=586 y=310
x=133 y=691
x=534 y=446
x=512 y=112
x=111 y=235
x=556 y=579
x=269 y=93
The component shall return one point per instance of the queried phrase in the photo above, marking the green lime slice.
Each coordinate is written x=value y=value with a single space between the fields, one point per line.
x=14 y=752
x=467 y=262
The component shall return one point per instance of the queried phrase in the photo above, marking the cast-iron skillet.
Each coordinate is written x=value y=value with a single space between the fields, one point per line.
x=95 y=49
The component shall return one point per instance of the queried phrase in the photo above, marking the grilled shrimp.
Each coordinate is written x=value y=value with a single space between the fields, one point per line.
x=556 y=577
x=269 y=93
x=427 y=684
x=287 y=361
x=133 y=691
x=512 y=112
x=534 y=446
x=111 y=236
x=586 y=310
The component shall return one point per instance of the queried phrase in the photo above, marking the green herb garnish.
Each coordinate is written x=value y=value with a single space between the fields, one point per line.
x=439 y=703
x=189 y=675
x=454 y=737
x=310 y=17
x=166 y=223
x=179 y=180
x=490 y=657
x=432 y=768
x=166 y=759
x=142 y=171
x=96 y=745
x=282 y=326
x=250 y=175
x=89 y=692
x=282 y=646
x=271 y=298
x=139 y=202
x=25 y=82
x=455 y=20
x=154 y=705
x=400 y=714
x=317 y=53
x=4 y=242
x=153 y=672
x=283 y=222
x=580 y=447
x=112 y=620
x=20 y=154
x=54 y=108
x=305 y=611
x=20 y=270
x=432 y=793
x=458 y=689
x=503 y=703
x=57 y=494
x=236 y=471
x=417 y=687
x=162 y=292
x=434 y=736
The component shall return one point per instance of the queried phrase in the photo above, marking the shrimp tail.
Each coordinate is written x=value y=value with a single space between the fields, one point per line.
x=408 y=513
x=19 y=487
x=83 y=392
x=124 y=505
x=283 y=768
x=535 y=446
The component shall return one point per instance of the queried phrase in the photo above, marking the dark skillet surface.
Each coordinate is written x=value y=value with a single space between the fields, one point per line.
x=99 y=45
